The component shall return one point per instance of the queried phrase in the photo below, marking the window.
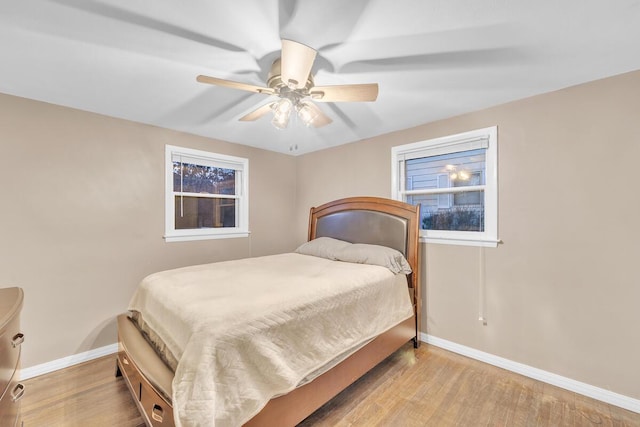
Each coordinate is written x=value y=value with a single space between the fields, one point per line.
x=207 y=195
x=454 y=179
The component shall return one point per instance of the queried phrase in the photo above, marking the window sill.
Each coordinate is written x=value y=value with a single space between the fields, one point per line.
x=205 y=236
x=487 y=243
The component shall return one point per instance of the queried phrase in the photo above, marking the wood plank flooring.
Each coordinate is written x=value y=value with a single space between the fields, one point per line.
x=428 y=387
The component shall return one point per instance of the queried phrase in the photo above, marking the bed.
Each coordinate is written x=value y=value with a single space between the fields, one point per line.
x=167 y=365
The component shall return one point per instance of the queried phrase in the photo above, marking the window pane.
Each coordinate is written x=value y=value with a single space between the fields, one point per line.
x=201 y=212
x=449 y=211
x=191 y=178
x=470 y=199
x=467 y=177
x=458 y=169
x=458 y=217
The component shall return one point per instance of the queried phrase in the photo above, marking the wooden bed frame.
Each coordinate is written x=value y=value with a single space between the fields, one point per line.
x=369 y=220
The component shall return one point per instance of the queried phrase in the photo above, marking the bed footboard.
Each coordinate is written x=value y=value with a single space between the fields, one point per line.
x=292 y=408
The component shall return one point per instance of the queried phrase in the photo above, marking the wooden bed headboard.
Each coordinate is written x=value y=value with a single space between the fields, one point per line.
x=371 y=220
x=377 y=221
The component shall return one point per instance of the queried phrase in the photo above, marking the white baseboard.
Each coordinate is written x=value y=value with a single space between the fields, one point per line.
x=65 y=362
x=594 y=392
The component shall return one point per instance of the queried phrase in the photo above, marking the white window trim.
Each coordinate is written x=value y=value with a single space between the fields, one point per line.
x=487 y=238
x=181 y=235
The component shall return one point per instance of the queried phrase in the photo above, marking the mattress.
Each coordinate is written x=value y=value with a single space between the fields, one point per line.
x=242 y=332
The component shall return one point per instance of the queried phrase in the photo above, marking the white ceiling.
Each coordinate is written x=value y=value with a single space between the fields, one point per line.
x=433 y=59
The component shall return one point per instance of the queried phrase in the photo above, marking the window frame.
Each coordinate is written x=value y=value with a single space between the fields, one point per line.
x=239 y=164
x=445 y=145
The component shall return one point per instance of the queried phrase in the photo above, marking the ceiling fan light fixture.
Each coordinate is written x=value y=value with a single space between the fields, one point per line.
x=307 y=114
x=280 y=121
x=281 y=113
x=283 y=106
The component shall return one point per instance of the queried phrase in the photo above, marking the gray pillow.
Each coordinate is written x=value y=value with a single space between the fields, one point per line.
x=323 y=247
x=376 y=255
x=359 y=253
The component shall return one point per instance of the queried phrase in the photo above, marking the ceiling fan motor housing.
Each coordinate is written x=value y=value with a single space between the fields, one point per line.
x=274 y=81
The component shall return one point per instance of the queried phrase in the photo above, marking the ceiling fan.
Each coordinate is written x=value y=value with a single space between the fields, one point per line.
x=291 y=81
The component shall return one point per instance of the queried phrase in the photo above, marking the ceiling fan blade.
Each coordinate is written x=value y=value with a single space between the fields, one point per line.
x=257 y=113
x=316 y=23
x=297 y=60
x=144 y=20
x=234 y=85
x=321 y=120
x=345 y=93
x=433 y=42
x=464 y=59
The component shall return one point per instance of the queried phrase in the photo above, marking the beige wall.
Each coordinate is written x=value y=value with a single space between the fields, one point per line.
x=82 y=218
x=563 y=291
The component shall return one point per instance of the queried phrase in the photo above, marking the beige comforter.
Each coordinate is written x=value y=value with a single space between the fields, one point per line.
x=245 y=331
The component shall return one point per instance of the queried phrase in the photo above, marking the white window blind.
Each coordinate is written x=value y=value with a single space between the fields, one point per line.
x=444 y=147
x=205 y=161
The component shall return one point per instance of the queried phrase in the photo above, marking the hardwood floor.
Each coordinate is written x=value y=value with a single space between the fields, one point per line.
x=428 y=387
x=83 y=395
